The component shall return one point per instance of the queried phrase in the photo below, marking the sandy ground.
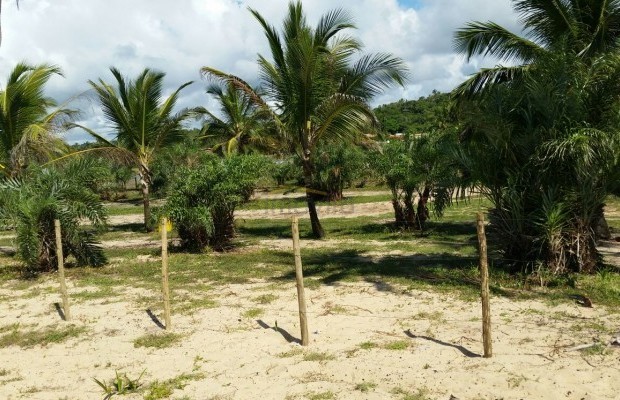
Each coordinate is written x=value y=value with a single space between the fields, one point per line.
x=343 y=211
x=435 y=341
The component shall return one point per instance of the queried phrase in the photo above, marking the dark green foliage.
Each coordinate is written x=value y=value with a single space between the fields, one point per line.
x=414 y=116
x=547 y=155
x=202 y=200
x=337 y=166
x=31 y=204
x=285 y=170
x=419 y=167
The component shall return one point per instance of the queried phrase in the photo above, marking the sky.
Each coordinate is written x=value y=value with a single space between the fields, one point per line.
x=86 y=37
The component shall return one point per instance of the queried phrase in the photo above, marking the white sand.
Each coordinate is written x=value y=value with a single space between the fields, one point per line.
x=240 y=359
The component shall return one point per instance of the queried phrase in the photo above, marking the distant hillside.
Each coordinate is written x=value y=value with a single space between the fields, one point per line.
x=414 y=116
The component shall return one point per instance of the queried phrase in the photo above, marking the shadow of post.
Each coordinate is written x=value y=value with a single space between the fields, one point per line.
x=155 y=319
x=287 y=336
x=60 y=311
x=466 y=352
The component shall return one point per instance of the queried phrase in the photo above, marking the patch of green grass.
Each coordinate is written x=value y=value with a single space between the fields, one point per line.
x=397 y=345
x=14 y=335
x=300 y=201
x=267 y=298
x=420 y=394
x=253 y=313
x=158 y=340
x=598 y=349
x=368 y=345
x=164 y=389
x=318 y=356
x=321 y=396
x=365 y=387
x=291 y=353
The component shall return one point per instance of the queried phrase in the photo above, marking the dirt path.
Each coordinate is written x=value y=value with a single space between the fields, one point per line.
x=343 y=211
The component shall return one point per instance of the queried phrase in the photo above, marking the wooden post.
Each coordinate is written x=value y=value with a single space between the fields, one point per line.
x=299 y=276
x=484 y=289
x=61 y=272
x=164 y=272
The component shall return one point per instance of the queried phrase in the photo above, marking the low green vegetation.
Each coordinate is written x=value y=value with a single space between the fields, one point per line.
x=158 y=340
x=24 y=337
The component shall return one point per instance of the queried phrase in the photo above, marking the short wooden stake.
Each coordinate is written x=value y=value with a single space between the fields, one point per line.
x=484 y=289
x=299 y=276
x=164 y=272
x=61 y=272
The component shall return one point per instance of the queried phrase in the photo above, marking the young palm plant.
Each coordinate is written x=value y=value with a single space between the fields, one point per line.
x=30 y=204
x=313 y=89
x=243 y=127
x=29 y=121
x=143 y=122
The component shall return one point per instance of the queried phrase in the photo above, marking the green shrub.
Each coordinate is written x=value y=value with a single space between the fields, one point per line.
x=202 y=200
x=30 y=205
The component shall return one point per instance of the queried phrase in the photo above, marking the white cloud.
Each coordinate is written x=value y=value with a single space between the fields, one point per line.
x=85 y=38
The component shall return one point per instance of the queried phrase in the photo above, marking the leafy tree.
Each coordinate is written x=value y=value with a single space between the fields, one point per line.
x=31 y=203
x=28 y=127
x=203 y=199
x=313 y=89
x=143 y=122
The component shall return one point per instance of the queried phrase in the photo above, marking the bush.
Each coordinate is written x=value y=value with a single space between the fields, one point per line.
x=202 y=200
x=32 y=203
x=336 y=168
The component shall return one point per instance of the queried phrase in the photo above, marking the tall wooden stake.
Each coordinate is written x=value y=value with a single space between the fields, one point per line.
x=484 y=289
x=61 y=272
x=164 y=272
x=299 y=276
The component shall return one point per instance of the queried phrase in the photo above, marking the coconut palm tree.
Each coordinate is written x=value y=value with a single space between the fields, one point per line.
x=27 y=126
x=587 y=28
x=313 y=89
x=243 y=126
x=143 y=122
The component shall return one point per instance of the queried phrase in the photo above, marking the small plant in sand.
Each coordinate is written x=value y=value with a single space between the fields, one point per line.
x=120 y=385
x=365 y=387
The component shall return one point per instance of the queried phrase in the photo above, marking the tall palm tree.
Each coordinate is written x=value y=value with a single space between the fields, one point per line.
x=313 y=89
x=243 y=126
x=142 y=120
x=27 y=126
x=587 y=28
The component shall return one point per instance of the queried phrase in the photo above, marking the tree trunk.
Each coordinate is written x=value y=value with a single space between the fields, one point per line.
x=317 y=229
x=144 y=183
x=423 y=214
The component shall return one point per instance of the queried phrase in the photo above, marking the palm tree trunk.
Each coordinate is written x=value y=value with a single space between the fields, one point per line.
x=422 y=207
x=317 y=229
x=145 y=185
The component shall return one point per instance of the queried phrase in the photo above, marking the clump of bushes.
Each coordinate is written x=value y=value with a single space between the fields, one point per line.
x=202 y=200
x=31 y=203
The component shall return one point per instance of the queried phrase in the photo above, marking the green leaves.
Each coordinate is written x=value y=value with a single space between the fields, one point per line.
x=44 y=194
x=28 y=120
